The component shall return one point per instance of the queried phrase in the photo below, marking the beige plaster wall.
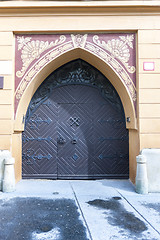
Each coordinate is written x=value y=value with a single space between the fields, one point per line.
x=133 y=152
x=149 y=88
x=6 y=94
x=16 y=18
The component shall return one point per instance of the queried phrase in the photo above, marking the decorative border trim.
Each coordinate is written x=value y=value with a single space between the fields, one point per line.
x=34 y=52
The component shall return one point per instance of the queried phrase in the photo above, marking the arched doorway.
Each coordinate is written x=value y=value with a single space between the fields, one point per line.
x=75 y=127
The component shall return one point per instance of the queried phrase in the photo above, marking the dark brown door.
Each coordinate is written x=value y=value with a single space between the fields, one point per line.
x=75 y=131
x=39 y=144
x=75 y=127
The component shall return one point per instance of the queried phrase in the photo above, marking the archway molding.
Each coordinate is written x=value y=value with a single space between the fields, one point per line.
x=68 y=56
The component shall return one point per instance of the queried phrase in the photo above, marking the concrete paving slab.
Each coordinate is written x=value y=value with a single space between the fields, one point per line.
x=41 y=188
x=40 y=219
x=78 y=210
x=110 y=216
x=122 y=186
x=92 y=188
x=149 y=207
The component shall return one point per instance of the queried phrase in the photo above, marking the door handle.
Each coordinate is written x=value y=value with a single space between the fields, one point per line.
x=61 y=140
x=74 y=141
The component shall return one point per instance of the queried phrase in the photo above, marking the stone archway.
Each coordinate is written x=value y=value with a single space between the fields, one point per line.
x=36 y=74
x=119 y=85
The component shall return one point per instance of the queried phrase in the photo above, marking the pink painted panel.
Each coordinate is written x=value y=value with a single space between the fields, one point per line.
x=34 y=52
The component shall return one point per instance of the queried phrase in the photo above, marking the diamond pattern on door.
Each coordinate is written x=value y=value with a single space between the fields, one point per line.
x=75 y=130
x=111 y=141
x=39 y=144
x=78 y=146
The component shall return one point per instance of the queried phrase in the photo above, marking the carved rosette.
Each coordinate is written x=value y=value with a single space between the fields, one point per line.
x=116 y=66
x=32 y=50
x=33 y=54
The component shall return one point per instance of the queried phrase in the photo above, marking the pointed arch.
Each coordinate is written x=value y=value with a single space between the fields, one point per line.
x=92 y=59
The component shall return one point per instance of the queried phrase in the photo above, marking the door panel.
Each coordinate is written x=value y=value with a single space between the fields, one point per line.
x=75 y=127
x=39 y=144
x=110 y=140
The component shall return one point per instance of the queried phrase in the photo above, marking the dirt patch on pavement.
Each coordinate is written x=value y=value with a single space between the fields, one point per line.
x=119 y=216
x=37 y=219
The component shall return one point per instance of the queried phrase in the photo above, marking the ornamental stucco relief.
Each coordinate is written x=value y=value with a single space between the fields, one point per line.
x=119 y=48
x=34 y=52
x=31 y=50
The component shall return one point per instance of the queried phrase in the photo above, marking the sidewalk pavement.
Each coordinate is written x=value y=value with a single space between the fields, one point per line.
x=78 y=210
